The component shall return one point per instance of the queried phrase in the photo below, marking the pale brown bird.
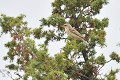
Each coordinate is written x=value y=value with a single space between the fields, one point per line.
x=71 y=32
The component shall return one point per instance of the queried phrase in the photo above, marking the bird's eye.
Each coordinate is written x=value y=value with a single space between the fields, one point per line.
x=65 y=25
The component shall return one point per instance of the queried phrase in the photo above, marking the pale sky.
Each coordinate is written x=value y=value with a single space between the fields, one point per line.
x=37 y=9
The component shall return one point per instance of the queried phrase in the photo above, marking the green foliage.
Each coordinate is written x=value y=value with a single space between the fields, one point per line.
x=10 y=44
x=101 y=24
x=12 y=67
x=10 y=23
x=56 y=75
x=54 y=20
x=96 y=5
x=100 y=60
x=111 y=75
x=75 y=60
x=115 y=56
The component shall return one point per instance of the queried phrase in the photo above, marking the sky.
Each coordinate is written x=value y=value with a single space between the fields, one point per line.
x=37 y=9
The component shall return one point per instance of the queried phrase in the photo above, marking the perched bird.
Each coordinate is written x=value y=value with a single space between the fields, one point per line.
x=71 y=32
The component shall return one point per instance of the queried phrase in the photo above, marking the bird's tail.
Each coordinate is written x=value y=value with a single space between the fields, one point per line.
x=85 y=42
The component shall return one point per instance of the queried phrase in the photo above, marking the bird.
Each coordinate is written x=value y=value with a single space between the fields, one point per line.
x=73 y=33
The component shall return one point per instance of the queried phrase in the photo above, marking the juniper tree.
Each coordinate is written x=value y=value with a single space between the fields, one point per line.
x=75 y=60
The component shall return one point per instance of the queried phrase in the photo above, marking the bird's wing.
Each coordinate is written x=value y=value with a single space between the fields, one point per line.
x=75 y=32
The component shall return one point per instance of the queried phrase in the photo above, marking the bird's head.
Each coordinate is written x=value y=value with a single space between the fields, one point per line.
x=66 y=25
